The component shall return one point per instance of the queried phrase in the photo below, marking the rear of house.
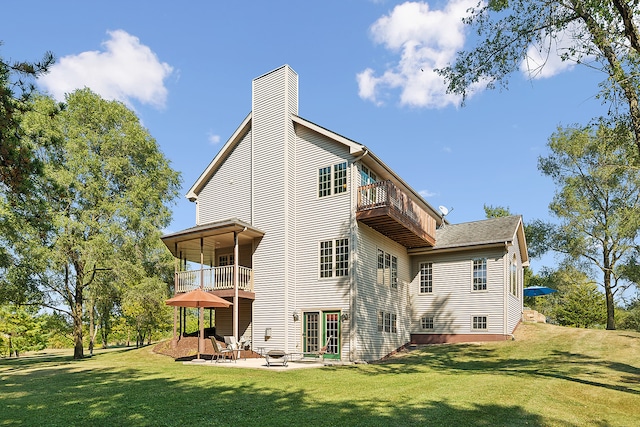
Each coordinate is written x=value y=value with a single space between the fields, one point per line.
x=317 y=242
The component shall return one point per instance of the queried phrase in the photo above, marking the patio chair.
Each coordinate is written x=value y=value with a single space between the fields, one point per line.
x=245 y=343
x=220 y=352
x=231 y=341
x=320 y=353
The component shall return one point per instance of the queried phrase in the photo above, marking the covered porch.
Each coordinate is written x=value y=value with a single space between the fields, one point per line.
x=217 y=258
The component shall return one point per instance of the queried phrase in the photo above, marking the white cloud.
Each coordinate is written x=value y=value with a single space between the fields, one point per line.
x=125 y=70
x=544 y=59
x=423 y=39
x=427 y=193
x=213 y=138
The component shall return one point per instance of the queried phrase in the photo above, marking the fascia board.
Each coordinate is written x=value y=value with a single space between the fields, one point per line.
x=461 y=248
x=354 y=148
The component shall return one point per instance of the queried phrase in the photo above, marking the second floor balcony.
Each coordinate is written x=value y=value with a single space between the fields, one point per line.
x=218 y=280
x=388 y=210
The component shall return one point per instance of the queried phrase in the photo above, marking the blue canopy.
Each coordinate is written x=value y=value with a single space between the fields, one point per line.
x=536 y=291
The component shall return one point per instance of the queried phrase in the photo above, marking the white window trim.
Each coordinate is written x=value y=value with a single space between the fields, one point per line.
x=486 y=328
x=486 y=275
x=332 y=180
x=387 y=279
x=387 y=322
x=420 y=292
x=334 y=260
x=433 y=323
x=513 y=275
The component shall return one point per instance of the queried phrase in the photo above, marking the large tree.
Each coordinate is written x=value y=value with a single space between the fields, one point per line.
x=109 y=199
x=597 y=200
x=18 y=158
x=21 y=173
x=578 y=301
x=599 y=34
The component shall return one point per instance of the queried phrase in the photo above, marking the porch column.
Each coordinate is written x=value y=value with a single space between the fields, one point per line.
x=236 y=279
x=175 y=287
x=201 y=309
x=182 y=310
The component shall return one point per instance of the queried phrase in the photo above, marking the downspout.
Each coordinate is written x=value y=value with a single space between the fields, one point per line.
x=506 y=276
x=236 y=280
x=352 y=281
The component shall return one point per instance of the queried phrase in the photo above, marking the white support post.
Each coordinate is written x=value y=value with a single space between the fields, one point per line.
x=236 y=279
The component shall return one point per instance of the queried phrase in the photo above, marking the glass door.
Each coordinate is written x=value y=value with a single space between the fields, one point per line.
x=320 y=330
x=311 y=332
x=331 y=335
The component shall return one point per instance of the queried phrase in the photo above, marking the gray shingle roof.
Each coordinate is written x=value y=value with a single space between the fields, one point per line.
x=488 y=231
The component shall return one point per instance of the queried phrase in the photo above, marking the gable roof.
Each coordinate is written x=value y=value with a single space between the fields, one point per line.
x=472 y=235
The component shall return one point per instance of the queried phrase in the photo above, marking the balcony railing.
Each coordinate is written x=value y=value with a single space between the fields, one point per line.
x=214 y=279
x=387 y=209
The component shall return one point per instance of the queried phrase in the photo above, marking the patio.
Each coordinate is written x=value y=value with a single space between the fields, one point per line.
x=261 y=363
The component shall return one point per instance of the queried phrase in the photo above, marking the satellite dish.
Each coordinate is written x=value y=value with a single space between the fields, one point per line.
x=443 y=210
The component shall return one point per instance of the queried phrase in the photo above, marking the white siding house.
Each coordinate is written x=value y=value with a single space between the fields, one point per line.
x=316 y=241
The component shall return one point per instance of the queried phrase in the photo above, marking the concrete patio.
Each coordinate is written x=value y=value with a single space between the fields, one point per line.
x=261 y=363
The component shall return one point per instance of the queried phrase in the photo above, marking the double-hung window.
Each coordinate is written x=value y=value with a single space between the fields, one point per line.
x=513 y=275
x=480 y=274
x=387 y=322
x=426 y=277
x=479 y=323
x=332 y=179
x=342 y=257
x=334 y=258
x=426 y=322
x=387 y=273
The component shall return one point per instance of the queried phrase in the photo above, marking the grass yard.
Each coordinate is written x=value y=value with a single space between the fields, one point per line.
x=548 y=376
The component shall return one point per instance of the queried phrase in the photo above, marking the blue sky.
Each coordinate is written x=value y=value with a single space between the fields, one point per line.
x=365 y=72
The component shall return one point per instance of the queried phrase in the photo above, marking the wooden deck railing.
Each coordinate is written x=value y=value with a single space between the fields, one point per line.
x=214 y=279
x=385 y=196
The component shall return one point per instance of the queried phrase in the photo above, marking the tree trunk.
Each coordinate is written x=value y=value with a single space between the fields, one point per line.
x=611 y=324
x=76 y=313
x=92 y=325
x=103 y=334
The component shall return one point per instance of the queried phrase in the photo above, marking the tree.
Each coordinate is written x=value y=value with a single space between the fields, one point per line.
x=18 y=158
x=144 y=308
x=597 y=200
x=496 y=211
x=21 y=329
x=631 y=319
x=111 y=189
x=535 y=231
x=581 y=305
x=577 y=303
x=21 y=174
x=598 y=34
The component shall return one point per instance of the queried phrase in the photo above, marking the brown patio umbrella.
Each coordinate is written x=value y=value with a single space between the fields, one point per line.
x=198 y=298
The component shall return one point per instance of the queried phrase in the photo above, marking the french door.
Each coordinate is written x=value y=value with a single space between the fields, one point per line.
x=322 y=329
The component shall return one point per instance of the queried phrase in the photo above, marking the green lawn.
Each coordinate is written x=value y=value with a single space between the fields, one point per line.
x=548 y=376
